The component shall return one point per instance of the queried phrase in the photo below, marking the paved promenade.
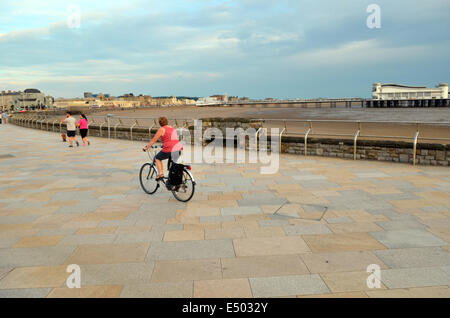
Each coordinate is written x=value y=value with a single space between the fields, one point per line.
x=309 y=230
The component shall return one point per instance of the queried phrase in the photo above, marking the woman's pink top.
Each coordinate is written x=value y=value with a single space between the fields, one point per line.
x=83 y=123
x=170 y=140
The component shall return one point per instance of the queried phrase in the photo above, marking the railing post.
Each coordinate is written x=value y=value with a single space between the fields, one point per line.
x=115 y=127
x=416 y=138
x=355 y=139
x=306 y=137
x=281 y=134
x=256 y=137
x=131 y=129
x=150 y=131
x=108 y=116
x=306 y=141
x=101 y=125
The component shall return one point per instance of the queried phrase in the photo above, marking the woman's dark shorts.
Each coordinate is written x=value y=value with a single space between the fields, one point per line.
x=83 y=133
x=71 y=133
x=166 y=155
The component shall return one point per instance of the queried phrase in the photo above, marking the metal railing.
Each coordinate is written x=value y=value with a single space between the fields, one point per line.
x=284 y=124
x=358 y=132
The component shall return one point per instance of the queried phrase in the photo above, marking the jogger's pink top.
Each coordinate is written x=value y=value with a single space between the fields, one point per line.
x=83 y=123
x=170 y=140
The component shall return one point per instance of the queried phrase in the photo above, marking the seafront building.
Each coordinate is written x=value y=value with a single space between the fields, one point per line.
x=398 y=92
x=124 y=101
x=217 y=100
x=29 y=99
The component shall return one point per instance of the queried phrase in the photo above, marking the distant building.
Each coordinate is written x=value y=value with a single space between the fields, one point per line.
x=221 y=98
x=8 y=100
x=214 y=99
x=29 y=99
x=125 y=101
x=88 y=95
x=396 y=91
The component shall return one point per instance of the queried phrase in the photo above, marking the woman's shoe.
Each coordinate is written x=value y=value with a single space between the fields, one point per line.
x=159 y=178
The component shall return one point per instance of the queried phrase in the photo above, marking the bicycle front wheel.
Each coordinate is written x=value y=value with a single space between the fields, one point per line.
x=185 y=190
x=147 y=177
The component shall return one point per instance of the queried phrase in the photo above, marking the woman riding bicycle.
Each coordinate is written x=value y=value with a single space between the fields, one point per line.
x=171 y=145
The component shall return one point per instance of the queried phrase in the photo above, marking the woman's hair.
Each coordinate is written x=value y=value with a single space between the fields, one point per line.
x=84 y=116
x=163 y=121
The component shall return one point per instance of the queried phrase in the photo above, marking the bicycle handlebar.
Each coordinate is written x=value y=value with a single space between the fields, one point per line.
x=152 y=147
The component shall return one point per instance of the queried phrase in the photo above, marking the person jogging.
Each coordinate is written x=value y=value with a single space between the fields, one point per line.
x=83 y=124
x=71 y=128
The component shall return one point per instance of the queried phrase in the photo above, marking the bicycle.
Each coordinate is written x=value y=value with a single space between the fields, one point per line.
x=148 y=173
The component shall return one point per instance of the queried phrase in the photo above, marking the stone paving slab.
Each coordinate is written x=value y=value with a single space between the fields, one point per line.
x=42 y=256
x=414 y=277
x=306 y=229
x=222 y=288
x=182 y=289
x=190 y=250
x=25 y=293
x=420 y=292
x=338 y=220
x=270 y=246
x=242 y=210
x=173 y=271
x=347 y=281
x=407 y=238
x=340 y=261
x=109 y=253
x=34 y=277
x=111 y=291
x=414 y=257
x=401 y=225
x=84 y=206
x=263 y=266
x=280 y=286
x=116 y=274
x=342 y=242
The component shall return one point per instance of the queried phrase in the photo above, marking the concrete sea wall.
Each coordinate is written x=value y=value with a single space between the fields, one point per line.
x=381 y=150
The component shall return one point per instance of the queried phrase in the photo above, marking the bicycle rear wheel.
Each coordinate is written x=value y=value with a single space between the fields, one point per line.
x=147 y=178
x=186 y=189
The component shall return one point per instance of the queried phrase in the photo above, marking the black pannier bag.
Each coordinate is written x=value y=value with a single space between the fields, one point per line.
x=176 y=174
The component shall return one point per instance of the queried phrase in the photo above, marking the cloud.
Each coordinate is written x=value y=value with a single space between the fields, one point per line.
x=257 y=48
x=367 y=52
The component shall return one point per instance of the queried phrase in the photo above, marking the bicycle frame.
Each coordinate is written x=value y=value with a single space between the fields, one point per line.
x=152 y=155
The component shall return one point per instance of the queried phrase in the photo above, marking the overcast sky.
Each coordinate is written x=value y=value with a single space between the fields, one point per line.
x=255 y=48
